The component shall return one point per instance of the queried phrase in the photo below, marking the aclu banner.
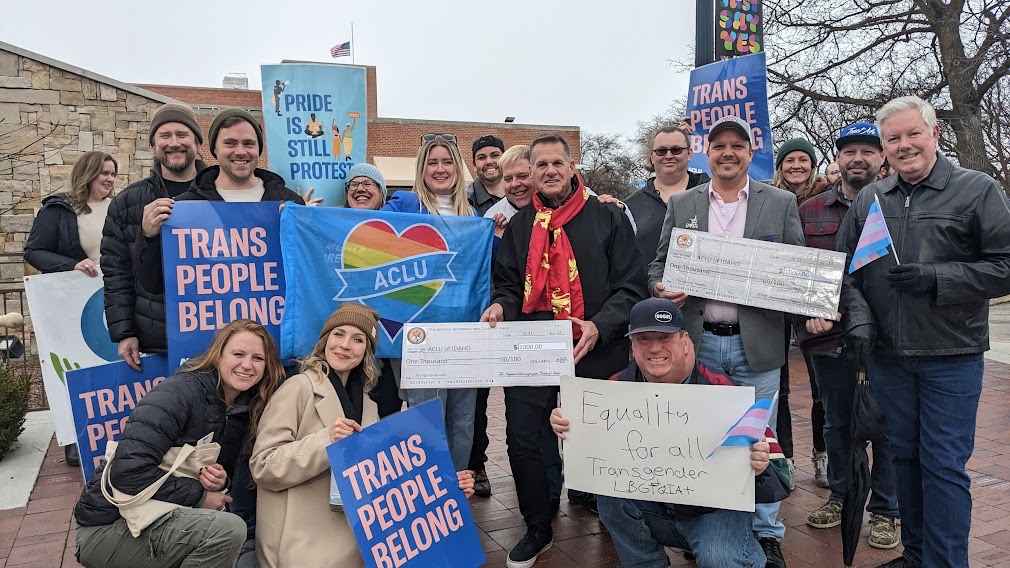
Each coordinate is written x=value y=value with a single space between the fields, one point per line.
x=316 y=125
x=407 y=267
x=401 y=496
x=222 y=263
x=68 y=315
x=737 y=86
x=103 y=397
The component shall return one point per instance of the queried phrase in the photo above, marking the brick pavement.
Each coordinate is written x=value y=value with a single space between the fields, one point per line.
x=39 y=534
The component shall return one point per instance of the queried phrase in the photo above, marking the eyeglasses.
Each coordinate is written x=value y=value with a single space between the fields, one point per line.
x=438 y=137
x=672 y=150
x=364 y=184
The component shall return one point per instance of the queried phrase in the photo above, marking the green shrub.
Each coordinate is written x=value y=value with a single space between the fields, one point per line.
x=14 y=387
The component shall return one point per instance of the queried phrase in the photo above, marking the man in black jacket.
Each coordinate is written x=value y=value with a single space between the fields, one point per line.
x=586 y=269
x=922 y=326
x=136 y=315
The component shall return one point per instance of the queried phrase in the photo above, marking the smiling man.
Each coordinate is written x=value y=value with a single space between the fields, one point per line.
x=921 y=327
x=565 y=257
x=743 y=342
x=488 y=188
x=663 y=352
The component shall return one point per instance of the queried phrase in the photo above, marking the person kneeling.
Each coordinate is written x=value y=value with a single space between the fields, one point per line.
x=329 y=401
x=663 y=353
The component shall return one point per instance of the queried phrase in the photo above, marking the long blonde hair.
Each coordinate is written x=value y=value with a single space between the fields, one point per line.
x=86 y=169
x=425 y=195
x=316 y=361
x=273 y=371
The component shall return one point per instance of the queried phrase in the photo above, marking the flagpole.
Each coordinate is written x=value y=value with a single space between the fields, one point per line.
x=352 y=43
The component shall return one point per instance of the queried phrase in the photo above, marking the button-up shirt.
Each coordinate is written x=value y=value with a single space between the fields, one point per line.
x=725 y=219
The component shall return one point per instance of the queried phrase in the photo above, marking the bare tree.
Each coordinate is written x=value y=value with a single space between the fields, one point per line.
x=854 y=55
x=608 y=166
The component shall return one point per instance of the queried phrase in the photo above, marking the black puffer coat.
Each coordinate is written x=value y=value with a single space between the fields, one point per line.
x=181 y=410
x=130 y=309
x=54 y=245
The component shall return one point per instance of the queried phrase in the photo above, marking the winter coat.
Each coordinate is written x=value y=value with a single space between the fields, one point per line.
x=54 y=244
x=181 y=410
x=295 y=525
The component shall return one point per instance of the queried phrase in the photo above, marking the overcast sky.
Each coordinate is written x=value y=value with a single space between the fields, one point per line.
x=599 y=65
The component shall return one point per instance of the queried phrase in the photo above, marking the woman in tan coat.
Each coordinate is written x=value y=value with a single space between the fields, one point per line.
x=328 y=401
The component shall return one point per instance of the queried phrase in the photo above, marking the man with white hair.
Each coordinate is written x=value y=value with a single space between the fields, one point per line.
x=921 y=326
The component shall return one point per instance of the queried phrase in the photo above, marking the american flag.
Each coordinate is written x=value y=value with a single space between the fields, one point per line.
x=341 y=49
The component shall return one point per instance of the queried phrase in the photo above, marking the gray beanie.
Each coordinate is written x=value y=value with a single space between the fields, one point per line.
x=369 y=171
x=172 y=112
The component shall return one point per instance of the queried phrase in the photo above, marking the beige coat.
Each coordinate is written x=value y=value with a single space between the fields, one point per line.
x=295 y=527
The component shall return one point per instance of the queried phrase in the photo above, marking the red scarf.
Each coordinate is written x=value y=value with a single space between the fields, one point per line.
x=552 y=276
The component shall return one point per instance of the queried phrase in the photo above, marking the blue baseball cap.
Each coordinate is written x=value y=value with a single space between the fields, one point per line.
x=655 y=314
x=862 y=131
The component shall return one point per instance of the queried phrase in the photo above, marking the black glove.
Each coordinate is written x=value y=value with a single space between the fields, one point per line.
x=859 y=344
x=914 y=278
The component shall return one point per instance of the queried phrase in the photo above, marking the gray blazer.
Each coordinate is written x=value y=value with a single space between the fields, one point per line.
x=772 y=215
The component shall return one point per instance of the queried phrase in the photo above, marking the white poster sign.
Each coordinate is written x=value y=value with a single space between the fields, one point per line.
x=651 y=442
x=68 y=315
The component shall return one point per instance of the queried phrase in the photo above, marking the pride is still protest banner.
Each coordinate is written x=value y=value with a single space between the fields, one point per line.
x=400 y=493
x=222 y=262
x=316 y=125
x=739 y=87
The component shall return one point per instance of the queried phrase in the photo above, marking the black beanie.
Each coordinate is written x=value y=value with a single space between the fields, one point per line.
x=485 y=141
x=227 y=113
x=173 y=112
x=793 y=145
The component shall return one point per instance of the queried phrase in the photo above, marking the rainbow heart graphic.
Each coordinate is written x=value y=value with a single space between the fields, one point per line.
x=396 y=274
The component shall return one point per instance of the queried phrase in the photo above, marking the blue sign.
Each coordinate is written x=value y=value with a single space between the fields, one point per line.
x=407 y=267
x=101 y=400
x=737 y=86
x=222 y=263
x=316 y=125
x=400 y=493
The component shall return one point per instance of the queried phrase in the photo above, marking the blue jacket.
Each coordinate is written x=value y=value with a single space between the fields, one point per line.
x=404 y=202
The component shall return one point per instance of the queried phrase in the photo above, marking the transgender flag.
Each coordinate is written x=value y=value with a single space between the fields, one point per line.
x=752 y=426
x=874 y=240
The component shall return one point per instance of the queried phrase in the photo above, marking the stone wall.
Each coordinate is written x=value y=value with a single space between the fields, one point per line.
x=49 y=116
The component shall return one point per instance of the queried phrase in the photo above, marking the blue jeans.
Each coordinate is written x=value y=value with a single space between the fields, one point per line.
x=726 y=354
x=836 y=381
x=460 y=411
x=931 y=408
x=640 y=530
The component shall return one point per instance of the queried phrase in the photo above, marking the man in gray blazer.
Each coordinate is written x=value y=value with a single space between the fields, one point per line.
x=743 y=342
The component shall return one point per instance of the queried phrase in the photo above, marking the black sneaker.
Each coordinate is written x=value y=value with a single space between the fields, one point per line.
x=481 y=484
x=773 y=552
x=71 y=456
x=898 y=562
x=524 y=554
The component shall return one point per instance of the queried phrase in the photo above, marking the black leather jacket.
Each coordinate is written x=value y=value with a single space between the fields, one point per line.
x=956 y=220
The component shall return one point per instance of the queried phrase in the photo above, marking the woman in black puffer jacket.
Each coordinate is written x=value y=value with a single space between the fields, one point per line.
x=222 y=392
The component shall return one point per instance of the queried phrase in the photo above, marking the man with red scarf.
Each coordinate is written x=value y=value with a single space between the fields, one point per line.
x=566 y=256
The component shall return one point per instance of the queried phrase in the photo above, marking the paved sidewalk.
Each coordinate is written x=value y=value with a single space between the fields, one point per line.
x=39 y=535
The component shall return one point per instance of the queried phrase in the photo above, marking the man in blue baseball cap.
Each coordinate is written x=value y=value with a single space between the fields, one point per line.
x=859 y=157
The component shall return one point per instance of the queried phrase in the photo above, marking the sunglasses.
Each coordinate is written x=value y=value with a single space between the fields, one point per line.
x=672 y=150
x=438 y=137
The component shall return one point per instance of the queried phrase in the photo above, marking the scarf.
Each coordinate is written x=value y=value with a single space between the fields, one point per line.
x=552 y=277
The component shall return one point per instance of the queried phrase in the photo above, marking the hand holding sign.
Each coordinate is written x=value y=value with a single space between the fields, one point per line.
x=213 y=477
x=342 y=428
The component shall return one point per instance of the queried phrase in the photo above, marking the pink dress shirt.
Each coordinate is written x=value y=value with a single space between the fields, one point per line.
x=725 y=219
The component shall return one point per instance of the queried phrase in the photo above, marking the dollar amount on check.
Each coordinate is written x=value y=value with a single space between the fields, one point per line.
x=467 y=355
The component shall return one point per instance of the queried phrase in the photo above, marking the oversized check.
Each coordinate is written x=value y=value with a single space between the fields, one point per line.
x=774 y=276
x=654 y=442
x=464 y=355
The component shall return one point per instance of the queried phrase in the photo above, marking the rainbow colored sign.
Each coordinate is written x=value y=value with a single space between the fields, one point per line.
x=407 y=267
x=739 y=29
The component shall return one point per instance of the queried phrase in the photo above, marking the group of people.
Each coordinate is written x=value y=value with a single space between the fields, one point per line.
x=918 y=328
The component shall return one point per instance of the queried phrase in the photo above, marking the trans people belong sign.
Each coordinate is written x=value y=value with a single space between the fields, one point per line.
x=316 y=125
x=103 y=397
x=737 y=86
x=222 y=262
x=407 y=267
x=401 y=496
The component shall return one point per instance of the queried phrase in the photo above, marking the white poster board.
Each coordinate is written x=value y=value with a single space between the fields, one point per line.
x=68 y=315
x=651 y=442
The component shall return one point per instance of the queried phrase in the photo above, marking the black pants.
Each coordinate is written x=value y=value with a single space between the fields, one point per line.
x=478 y=451
x=784 y=415
x=386 y=394
x=817 y=410
x=533 y=451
